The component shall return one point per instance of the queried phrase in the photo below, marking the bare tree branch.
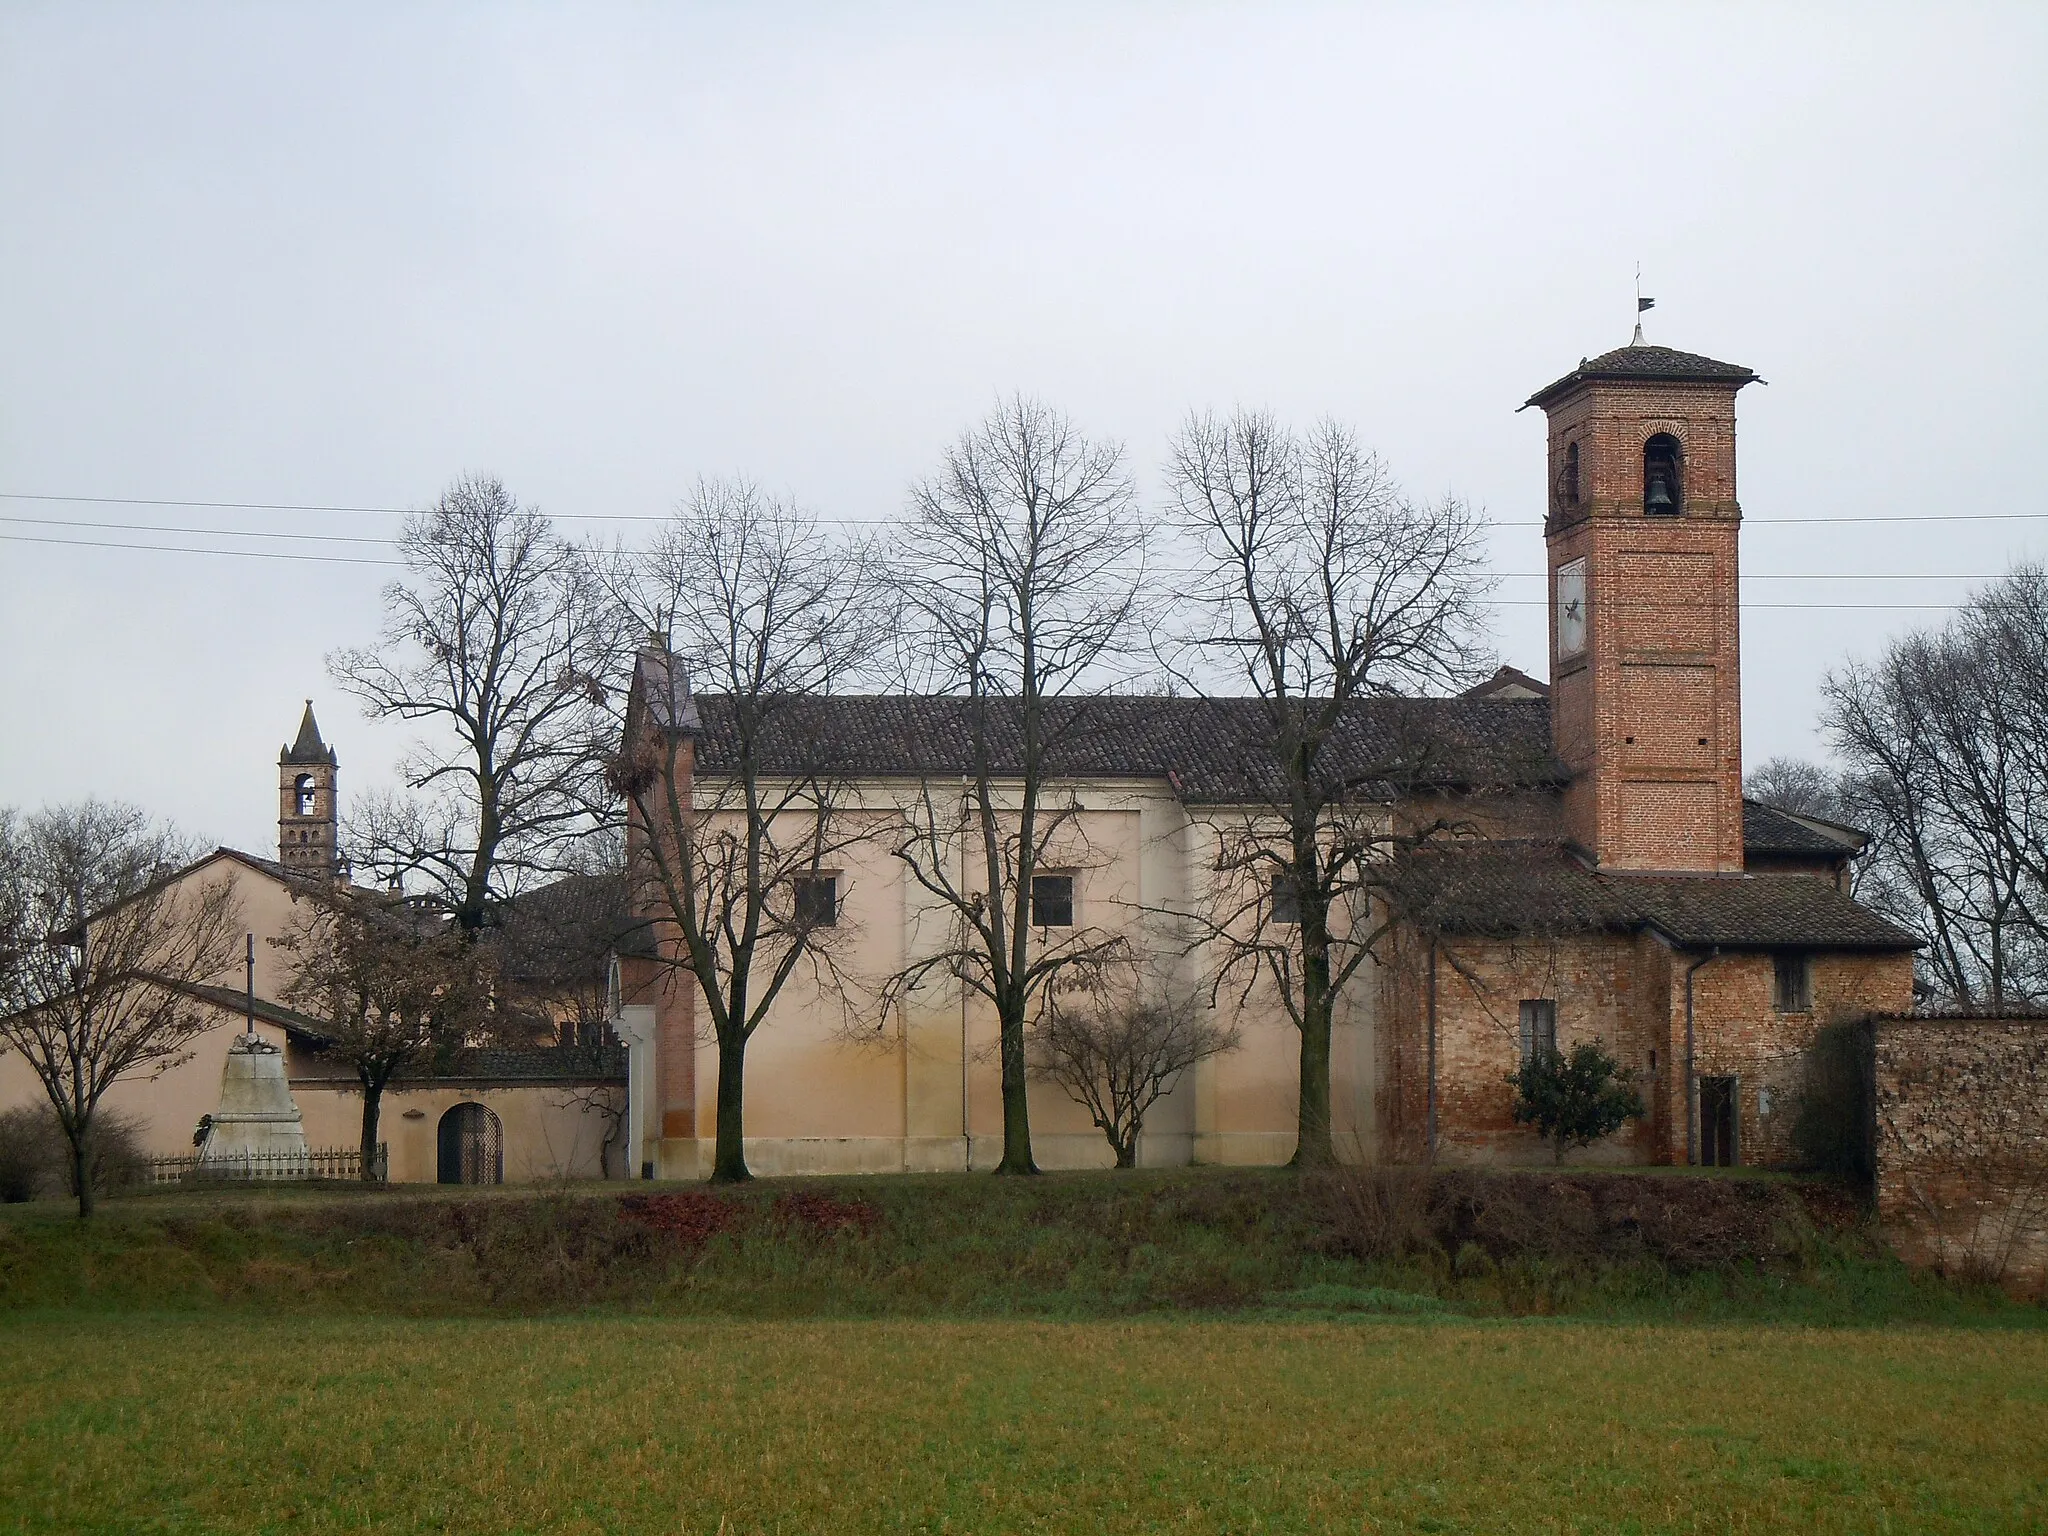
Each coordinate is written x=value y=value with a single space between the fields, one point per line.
x=104 y=944
x=1021 y=571
x=738 y=830
x=1119 y=1046
x=1322 y=590
x=498 y=642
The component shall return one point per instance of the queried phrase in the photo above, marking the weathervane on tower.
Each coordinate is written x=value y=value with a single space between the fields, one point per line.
x=1641 y=305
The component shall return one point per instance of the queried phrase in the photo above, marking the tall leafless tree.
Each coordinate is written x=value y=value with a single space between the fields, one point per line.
x=1022 y=570
x=740 y=820
x=498 y=641
x=392 y=983
x=1321 y=588
x=1944 y=746
x=106 y=944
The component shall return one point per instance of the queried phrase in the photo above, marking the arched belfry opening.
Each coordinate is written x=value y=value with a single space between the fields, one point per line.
x=1663 y=476
x=1568 y=477
x=307 y=841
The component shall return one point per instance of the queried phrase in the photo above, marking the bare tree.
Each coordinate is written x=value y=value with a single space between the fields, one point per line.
x=106 y=942
x=1118 y=1047
x=392 y=983
x=1022 y=570
x=739 y=810
x=1322 y=588
x=1944 y=740
x=498 y=640
x=1792 y=784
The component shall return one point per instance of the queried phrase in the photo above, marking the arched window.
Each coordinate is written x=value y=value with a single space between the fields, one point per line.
x=1663 y=476
x=1569 y=491
x=303 y=785
x=471 y=1146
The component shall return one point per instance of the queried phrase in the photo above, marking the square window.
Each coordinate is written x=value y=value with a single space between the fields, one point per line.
x=1539 y=1028
x=1052 y=901
x=1792 y=983
x=817 y=900
x=1286 y=904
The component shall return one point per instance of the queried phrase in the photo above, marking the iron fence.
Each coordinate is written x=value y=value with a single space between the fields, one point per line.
x=337 y=1163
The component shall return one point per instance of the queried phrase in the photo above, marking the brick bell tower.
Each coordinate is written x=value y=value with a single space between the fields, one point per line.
x=1646 y=682
x=307 y=812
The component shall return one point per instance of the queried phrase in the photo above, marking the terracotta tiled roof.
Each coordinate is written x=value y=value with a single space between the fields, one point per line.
x=1768 y=830
x=1211 y=750
x=1510 y=890
x=1647 y=364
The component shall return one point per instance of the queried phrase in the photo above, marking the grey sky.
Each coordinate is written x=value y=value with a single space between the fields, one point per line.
x=337 y=257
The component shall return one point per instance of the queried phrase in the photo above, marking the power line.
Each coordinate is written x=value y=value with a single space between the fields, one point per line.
x=184 y=549
x=1164 y=569
x=1512 y=602
x=211 y=533
x=867 y=522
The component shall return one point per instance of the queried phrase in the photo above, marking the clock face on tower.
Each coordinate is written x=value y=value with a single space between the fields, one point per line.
x=1571 y=609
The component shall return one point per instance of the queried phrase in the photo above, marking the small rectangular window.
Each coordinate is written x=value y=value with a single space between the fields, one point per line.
x=1539 y=1028
x=1052 y=901
x=1792 y=983
x=1286 y=903
x=817 y=900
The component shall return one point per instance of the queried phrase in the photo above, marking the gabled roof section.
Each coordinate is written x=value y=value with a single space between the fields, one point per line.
x=270 y=869
x=1770 y=830
x=1508 y=683
x=661 y=684
x=1537 y=890
x=300 y=1025
x=1211 y=751
x=308 y=748
x=1645 y=364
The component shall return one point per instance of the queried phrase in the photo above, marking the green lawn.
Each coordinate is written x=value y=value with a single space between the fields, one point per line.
x=230 y=1421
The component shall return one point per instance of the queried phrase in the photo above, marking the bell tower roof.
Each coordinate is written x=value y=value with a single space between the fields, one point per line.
x=309 y=748
x=1643 y=364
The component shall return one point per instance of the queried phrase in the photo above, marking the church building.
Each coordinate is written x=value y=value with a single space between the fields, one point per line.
x=1613 y=885
x=1607 y=881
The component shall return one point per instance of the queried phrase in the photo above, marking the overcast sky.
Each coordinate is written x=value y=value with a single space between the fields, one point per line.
x=287 y=255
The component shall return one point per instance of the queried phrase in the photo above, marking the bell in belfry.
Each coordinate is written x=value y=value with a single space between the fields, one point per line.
x=1659 y=497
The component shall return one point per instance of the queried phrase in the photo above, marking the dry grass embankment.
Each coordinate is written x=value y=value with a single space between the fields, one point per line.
x=1080 y=1245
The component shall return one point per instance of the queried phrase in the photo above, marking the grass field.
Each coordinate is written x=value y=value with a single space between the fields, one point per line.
x=141 y=1423
x=1191 y=1350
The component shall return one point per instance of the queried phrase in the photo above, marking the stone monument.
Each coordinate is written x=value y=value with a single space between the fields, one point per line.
x=256 y=1133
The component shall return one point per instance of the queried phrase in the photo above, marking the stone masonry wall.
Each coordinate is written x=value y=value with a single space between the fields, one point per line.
x=1738 y=1032
x=1629 y=994
x=1961 y=1110
x=1606 y=989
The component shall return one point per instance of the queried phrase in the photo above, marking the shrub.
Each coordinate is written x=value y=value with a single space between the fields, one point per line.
x=1574 y=1100
x=1378 y=1213
x=31 y=1160
x=35 y=1159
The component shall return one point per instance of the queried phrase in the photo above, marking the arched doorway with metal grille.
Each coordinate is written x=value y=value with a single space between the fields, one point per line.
x=472 y=1146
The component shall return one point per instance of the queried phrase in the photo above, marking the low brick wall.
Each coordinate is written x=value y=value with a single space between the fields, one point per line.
x=1961 y=1110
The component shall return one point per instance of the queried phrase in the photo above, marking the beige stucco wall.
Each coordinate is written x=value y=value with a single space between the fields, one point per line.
x=166 y=1105
x=549 y=1131
x=837 y=1082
